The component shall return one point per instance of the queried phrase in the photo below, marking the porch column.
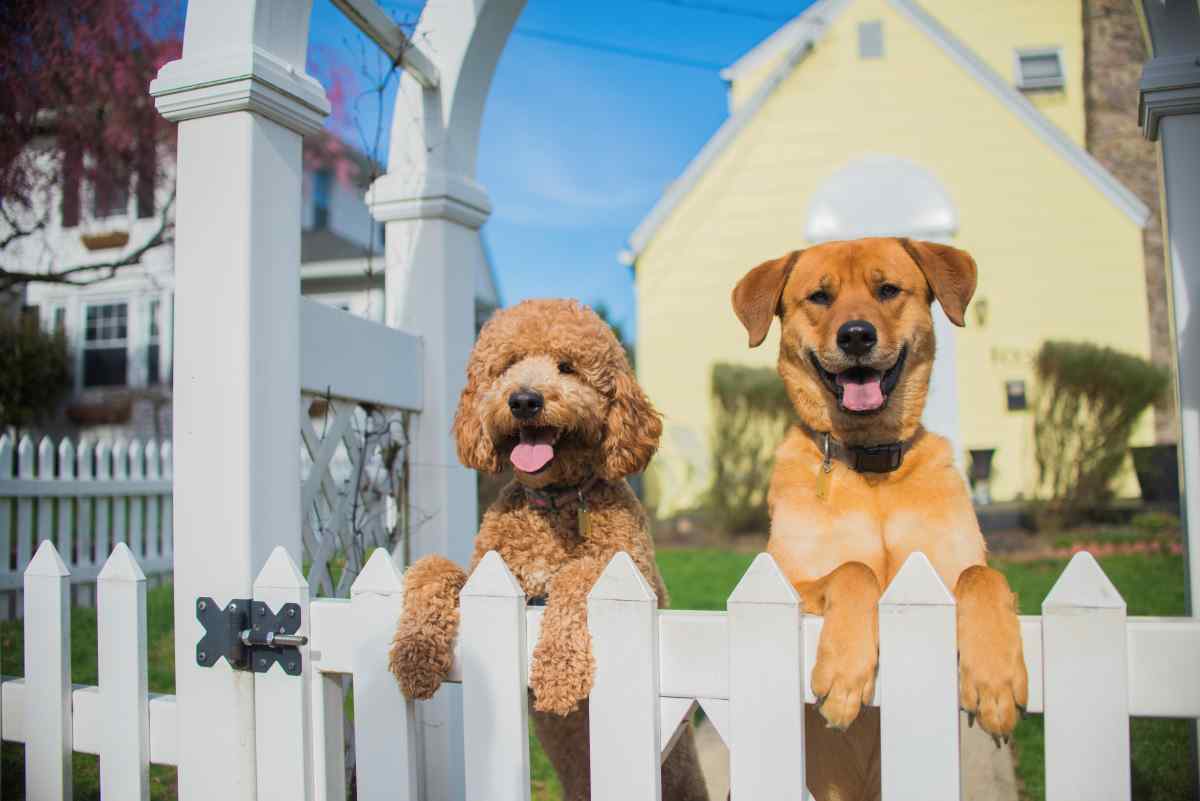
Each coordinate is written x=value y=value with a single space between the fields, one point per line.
x=243 y=102
x=1169 y=111
x=433 y=209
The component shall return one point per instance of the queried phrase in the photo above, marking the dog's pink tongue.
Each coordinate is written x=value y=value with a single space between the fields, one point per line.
x=861 y=397
x=534 y=451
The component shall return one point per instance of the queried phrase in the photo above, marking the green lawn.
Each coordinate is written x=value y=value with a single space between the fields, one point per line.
x=703 y=579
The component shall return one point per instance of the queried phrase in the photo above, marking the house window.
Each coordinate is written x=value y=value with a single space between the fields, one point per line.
x=1040 y=68
x=106 y=339
x=153 y=374
x=322 y=189
x=110 y=196
x=870 y=39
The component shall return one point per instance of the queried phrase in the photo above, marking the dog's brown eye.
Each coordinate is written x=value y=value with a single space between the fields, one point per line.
x=565 y=368
x=820 y=297
x=888 y=291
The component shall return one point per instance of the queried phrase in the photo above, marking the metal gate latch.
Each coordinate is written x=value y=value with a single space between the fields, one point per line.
x=249 y=635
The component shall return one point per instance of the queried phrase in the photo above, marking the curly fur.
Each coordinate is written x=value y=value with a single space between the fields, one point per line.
x=606 y=429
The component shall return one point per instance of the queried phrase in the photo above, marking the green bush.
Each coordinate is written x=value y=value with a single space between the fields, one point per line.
x=1088 y=399
x=34 y=372
x=752 y=414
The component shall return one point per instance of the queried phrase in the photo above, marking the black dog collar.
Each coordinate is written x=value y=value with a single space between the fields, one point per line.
x=884 y=458
x=551 y=498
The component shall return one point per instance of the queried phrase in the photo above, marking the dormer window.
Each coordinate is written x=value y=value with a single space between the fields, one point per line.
x=1039 y=68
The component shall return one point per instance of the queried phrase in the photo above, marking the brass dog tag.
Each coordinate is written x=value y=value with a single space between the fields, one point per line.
x=826 y=470
x=584 y=518
x=823 y=483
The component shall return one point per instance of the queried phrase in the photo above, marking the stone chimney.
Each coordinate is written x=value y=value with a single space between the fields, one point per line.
x=1113 y=54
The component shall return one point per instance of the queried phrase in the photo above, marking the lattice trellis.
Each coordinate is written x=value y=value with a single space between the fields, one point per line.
x=353 y=492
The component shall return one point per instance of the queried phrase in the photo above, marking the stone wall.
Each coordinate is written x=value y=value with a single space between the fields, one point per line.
x=1114 y=52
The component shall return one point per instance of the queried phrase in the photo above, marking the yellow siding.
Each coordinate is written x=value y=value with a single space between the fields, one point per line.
x=994 y=31
x=1057 y=259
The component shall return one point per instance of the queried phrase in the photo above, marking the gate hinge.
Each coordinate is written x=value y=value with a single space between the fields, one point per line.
x=249 y=635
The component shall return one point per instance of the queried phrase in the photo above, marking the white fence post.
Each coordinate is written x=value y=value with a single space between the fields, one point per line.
x=283 y=702
x=495 y=679
x=766 y=686
x=385 y=734
x=121 y=654
x=243 y=102
x=48 y=736
x=1085 y=676
x=918 y=680
x=166 y=456
x=624 y=706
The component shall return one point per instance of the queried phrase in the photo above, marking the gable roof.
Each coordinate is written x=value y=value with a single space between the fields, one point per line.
x=798 y=37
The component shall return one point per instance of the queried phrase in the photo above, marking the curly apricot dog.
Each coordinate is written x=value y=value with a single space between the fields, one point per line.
x=859 y=485
x=548 y=389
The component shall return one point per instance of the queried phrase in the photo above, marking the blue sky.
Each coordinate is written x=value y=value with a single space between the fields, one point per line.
x=578 y=144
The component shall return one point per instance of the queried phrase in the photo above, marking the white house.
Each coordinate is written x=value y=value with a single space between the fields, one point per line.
x=119 y=328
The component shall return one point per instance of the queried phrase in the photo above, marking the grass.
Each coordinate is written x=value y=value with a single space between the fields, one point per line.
x=1152 y=584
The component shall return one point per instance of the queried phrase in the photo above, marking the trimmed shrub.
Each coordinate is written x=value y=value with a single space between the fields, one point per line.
x=752 y=415
x=34 y=373
x=1089 y=398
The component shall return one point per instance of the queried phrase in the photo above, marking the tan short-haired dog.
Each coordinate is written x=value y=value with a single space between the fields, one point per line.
x=550 y=391
x=859 y=485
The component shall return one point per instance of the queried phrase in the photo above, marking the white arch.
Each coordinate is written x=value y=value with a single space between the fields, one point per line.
x=880 y=196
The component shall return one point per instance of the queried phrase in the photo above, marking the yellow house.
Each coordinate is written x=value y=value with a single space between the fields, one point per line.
x=962 y=122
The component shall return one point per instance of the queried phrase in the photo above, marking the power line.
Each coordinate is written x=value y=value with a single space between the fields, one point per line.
x=731 y=11
x=646 y=55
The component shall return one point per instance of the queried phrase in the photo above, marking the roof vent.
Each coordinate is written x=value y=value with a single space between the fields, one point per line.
x=1040 y=68
x=870 y=39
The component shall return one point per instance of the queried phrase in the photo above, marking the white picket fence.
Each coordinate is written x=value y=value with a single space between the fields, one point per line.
x=1090 y=669
x=86 y=499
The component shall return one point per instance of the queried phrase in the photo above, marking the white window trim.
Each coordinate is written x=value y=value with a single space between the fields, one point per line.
x=84 y=345
x=1039 y=83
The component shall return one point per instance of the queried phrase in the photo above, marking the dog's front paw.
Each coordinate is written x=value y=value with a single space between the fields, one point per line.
x=993 y=685
x=843 y=678
x=420 y=659
x=561 y=673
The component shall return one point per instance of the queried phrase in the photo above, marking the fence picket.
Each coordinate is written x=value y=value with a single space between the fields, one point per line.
x=154 y=547
x=329 y=736
x=120 y=505
x=121 y=655
x=6 y=511
x=45 y=506
x=494 y=669
x=919 y=683
x=26 y=536
x=381 y=712
x=66 y=506
x=48 y=722
x=137 y=535
x=84 y=506
x=104 y=506
x=1086 y=693
x=766 y=685
x=167 y=455
x=624 y=706
x=283 y=702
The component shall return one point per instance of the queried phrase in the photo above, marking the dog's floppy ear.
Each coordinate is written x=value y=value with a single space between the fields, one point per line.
x=950 y=272
x=474 y=445
x=632 y=429
x=756 y=297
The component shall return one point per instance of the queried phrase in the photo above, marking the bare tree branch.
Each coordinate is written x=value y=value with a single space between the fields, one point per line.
x=86 y=274
x=17 y=231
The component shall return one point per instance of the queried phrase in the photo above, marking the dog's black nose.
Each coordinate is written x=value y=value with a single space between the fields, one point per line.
x=525 y=404
x=856 y=337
